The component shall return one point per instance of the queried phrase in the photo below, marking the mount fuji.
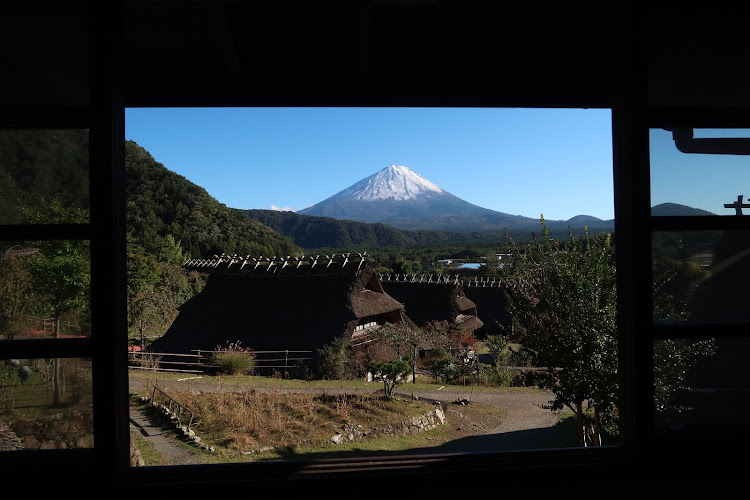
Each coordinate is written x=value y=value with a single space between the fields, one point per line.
x=401 y=198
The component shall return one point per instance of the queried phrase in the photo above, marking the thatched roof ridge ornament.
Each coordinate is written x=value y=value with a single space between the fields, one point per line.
x=438 y=279
x=448 y=279
x=279 y=266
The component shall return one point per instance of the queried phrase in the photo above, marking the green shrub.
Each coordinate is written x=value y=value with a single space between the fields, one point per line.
x=391 y=373
x=333 y=362
x=494 y=377
x=234 y=359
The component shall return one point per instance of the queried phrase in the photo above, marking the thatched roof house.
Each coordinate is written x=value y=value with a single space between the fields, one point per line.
x=489 y=294
x=485 y=296
x=280 y=303
x=433 y=298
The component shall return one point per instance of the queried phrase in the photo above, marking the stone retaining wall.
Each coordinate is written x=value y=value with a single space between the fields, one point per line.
x=350 y=432
x=171 y=419
x=425 y=422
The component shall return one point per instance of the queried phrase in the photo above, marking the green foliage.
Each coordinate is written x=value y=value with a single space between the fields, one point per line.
x=15 y=292
x=677 y=278
x=155 y=290
x=324 y=232
x=391 y=372
x=171 y=251
x=62 y=282
x=233 y=359
x=400 y=336
x=673 y=359
x=674 y=282
x=333 y=361
x=495 y=377
x=61 y=271
x=42 y=166
x=564 y=293
x=499 y=347
x=450 y=369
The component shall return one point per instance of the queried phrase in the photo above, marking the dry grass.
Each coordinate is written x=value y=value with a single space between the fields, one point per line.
x=242 y=422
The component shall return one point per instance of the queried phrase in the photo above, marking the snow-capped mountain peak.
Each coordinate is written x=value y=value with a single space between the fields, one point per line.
x=399 y=197
x=395 y=182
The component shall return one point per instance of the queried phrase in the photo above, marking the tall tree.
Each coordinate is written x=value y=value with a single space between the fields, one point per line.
x=564 y=293
x=15 y=288
x=61 y=275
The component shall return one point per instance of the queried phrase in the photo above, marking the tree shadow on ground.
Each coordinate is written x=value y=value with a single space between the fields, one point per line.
x=532 y=439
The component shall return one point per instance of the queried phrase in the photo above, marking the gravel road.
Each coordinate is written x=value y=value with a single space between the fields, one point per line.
x=527 y=426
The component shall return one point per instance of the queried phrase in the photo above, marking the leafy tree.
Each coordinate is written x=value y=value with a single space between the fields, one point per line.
x=403 y=338
x=41 y=165
x=155 y=291
x=673 y=359
x=148 y=309
x=60 y=275
x=674 y=281
x=400 y=336
x=171 y=251
x=60 y=272
x=333 y=361
x=15 y=288
x=391 y=372
x=499 y=348
x=565 y=293
x=407 y=340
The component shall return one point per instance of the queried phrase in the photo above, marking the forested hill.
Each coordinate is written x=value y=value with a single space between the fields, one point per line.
x=312 y=232
x=37 y=167
x=163 y=205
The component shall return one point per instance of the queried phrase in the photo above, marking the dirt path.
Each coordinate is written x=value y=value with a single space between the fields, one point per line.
x=171 y=453
x=527 y=425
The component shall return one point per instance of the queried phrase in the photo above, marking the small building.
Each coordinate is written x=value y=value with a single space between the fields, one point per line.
x=274 y=304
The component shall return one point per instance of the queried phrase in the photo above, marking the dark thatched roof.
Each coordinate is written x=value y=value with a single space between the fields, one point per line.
x=434 y=300
x=274 y=306
x=486 y=293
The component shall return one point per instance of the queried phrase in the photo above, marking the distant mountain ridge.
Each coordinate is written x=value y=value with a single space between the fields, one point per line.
x=671 y=209
x=401 y=198
x=312 y=232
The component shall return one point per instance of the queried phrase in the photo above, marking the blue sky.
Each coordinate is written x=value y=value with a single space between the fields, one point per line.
x=518 y=161
x=698 y=180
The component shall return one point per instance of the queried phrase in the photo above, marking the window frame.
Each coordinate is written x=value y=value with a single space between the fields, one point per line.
x=668 y=118
x=105 y=230
x=48 y=119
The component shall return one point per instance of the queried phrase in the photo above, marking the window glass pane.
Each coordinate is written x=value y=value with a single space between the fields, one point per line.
x=710 y=181
x=44 y=289
x=46 y=404
x=44 y=176
x=700 y=276
x=702 y=386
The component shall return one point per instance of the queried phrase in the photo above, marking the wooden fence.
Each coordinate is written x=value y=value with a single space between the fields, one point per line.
x=266 y=362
